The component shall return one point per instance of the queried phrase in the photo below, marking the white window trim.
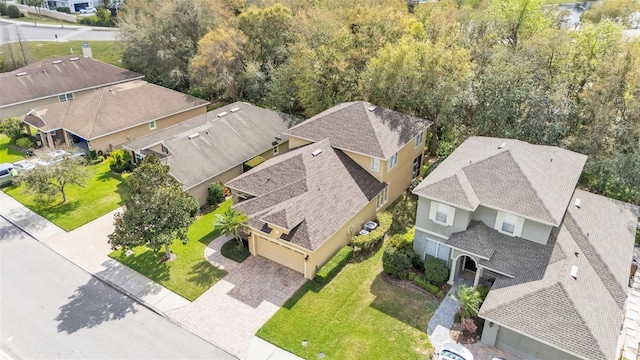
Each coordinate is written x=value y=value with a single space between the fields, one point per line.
x=152 y=125
x=392 y=161
x=276 y=150
x=421 y=142
x=519 y=224
x=67 y=97
x=451 y=213
x=438 y=244
x=375 y=164
x=382 y=198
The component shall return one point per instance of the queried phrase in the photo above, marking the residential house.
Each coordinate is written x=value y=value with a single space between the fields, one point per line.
x=105 y=118
x=386 y=143
x=558 y=257
x=347 y=163
x=214 y=146
x=56 y=80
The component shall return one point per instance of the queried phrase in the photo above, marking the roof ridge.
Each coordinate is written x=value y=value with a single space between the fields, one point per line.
x=370 y=117
x=95 y=115
x=459 y=178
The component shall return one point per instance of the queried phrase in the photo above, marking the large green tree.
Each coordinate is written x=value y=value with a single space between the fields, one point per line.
x=49 y=181
x=157 y=211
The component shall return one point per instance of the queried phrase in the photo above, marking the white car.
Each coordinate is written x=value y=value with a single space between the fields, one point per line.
x=454 y=352
x=24 y=165
x=88 y=10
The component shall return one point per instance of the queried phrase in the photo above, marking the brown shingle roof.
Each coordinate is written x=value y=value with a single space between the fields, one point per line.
x=354 y=127
x=314 y=196
x=112 y=109
x=57 y=76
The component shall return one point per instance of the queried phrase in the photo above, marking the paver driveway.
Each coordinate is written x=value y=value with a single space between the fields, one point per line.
x=230 y=313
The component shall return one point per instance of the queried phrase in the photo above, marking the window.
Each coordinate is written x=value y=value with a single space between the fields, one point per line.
x=165 y=149
x=139 y=158
x=393 y=160
x=509 y=223
x=441 y=214
x=420 y=139
x=276 y=150
x=375 y=164
x=152 y=125
x=442 y=211
x=382 y=198
x=436 y=249
x=65 y=97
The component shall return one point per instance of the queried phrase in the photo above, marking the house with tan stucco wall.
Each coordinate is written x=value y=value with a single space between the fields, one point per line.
x=106 y=118
x=214 y=146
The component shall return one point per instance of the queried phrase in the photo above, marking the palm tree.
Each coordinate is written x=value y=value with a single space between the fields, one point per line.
x=469 y=299
x=231 y=222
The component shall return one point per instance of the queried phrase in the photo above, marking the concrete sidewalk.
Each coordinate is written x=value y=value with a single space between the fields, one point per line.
x=57 y=26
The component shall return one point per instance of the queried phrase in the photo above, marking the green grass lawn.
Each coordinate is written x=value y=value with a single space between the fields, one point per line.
x=190 y=274
x=105 y=51
x=104 y=192
x=41 y=20
x=356 y=316
x=8 y=153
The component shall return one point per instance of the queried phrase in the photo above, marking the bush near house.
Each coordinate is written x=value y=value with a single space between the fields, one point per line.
x=215 y=194
x=64 y=9
x=119 y=161
x=368 y=241
x=25 y=143
x=333 y=267
x=435 y=270
x=3 y=9
x=423 y=283
x=397 y=257
x=13 y=11
x=12 y=127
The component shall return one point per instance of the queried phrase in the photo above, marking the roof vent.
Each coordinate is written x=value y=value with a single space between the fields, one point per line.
x=574 y=272
x=193 y=136
x=21 y=74
x=278 y=137
x=502 y=145
x=372 y=108
x=578 y=202
x=74 y=59
x=222 y=114
x=56 y=62
x=316 y=152
x=235 y=109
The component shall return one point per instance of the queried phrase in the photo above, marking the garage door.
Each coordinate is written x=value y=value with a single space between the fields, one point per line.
x=527 y=348
x=280 y=254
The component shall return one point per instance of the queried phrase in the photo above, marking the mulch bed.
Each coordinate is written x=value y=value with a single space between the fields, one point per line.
x=461 y=338
x=407 y=285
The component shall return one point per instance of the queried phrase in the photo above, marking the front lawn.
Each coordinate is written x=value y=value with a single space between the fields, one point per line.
x=104 y=192
x=9 y=153
x=109 y=52
x=190 y=274
x=356 y=316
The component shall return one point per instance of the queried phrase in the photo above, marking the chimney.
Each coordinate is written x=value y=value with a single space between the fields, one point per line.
x=86 y=51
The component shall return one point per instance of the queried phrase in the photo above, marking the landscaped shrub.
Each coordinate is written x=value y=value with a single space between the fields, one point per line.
x=483 y=290
x=423 y=283
x=12 y=127
x=215 y=194
x=3 y=9
x=232 y=250
x=25 y=143
x=435 y=270
x=194 y=207
x=13 y=11
x=385 y=219
x=334 y=265
x=93 y=154
x=97 y=160
x=396 y=259
x=64 y=9
x=119 y=160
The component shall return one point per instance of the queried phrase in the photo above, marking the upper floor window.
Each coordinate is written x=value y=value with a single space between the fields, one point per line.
x=375 y=164
x=276 y=150
x=420 y=139
x=65 y=97
x=152 y=125
x=509 y=224
x=441 y=213
x=393 y=160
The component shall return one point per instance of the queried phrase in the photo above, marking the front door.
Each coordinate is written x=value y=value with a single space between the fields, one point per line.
x=469 y=264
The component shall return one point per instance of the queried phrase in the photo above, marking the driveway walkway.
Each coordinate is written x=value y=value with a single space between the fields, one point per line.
x=232 y=311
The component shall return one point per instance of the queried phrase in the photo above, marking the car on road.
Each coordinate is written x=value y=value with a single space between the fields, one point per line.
x=7 y=172
x=454 y=352
x=24 y=165
x=88 y=10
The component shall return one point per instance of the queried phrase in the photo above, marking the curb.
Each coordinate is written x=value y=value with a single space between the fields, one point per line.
x=56 y=26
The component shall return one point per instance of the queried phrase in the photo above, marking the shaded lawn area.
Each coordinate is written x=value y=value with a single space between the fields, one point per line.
x=104 y=192
x=109 y=52
x=190 y=274
x=356 y=316
x=404 y=211
x=9 y=153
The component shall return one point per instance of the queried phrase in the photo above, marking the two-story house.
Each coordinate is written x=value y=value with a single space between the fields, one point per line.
x=508 y=211
x=344 y=165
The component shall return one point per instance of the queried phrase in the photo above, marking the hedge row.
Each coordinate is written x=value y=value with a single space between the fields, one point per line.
x=423 y=283
x=333 y=267
x=373 y=238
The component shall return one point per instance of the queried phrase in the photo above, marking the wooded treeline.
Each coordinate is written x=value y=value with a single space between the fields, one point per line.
x=504 y=68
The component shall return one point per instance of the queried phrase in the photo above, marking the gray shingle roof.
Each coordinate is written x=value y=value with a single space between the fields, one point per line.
x=353 y=127
x=314 y=196
x=112 y=109
x=222 y=143
x=533 y=181
x=46 y=78
x=546 y=303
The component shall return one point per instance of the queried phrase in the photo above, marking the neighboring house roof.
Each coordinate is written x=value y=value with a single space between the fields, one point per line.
x=57 y=76
x=545 y=302
x=533 y=181
x=362 y=128
x=112 y=109
x=312 y=196
x=227 y=137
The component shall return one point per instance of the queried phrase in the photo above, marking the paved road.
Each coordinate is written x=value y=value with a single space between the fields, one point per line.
x=50 y=308
x=42 y=33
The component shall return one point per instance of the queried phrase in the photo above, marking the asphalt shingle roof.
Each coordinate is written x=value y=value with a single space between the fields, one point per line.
x=223 y=142
x=112 y=109
x=533 y=181
x=314 y=196
x=353 y=127
x=59 y=76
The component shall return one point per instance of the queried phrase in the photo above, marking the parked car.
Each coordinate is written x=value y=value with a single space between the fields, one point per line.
x=88 y=10
x=454 y=352
x=42 y=162
x=24 y=165
x=7 y=172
